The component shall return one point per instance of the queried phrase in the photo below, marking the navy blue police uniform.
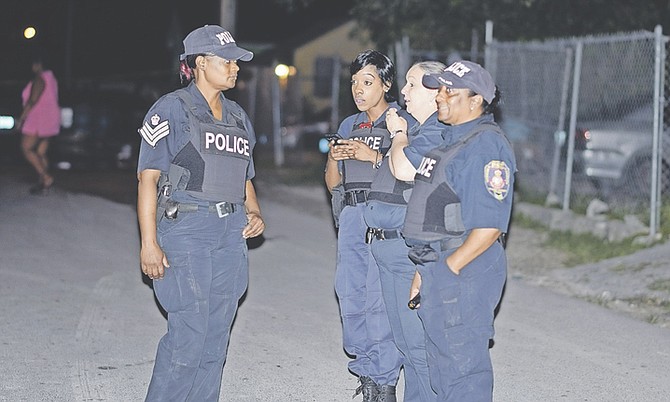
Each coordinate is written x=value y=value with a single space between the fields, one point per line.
x=460 y=186
x=366 y=330
x=206 y=162
x=385 y=215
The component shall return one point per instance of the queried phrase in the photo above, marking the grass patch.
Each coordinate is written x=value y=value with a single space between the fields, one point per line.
x=524 y=221
x=629 y=268
x=580 y=248
x=587 y=248
x=665 y=216
x=662 y=285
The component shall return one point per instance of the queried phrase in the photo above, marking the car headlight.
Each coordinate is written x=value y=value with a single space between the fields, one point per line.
x=6 y=122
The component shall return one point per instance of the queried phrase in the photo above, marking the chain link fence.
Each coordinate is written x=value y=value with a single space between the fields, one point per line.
x=585 y=116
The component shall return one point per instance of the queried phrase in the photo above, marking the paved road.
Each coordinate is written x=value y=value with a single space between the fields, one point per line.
x=79 y=323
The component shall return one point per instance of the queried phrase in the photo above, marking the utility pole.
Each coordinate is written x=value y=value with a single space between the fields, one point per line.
x=228 y=15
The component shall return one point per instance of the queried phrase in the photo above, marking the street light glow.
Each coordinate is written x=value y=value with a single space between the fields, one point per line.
x=29 y=32
x=282 y=70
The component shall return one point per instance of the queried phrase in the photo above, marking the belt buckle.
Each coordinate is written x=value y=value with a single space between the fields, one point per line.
x=221 y=209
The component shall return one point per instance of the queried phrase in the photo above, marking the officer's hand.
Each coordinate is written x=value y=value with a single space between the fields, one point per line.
x=153 y=261
x=337 y=152
x=415 y=287
x=394 y=122
x=255 y=225
x=358 y=150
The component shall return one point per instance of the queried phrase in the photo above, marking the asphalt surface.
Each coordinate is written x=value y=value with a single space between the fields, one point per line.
x=79 y=322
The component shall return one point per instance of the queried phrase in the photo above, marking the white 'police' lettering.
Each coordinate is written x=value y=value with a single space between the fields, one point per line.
x=371 y=141
x=459 y=69
x=426 y=167
x=225 y=37
x=227 y=143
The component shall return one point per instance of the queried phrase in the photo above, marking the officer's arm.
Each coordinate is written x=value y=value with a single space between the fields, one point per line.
x=478 y=241
x=401 y=167
x=152 y=258
x=332 y=175
x=255 y=225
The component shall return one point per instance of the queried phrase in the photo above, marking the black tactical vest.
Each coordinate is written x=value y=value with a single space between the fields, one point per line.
x=386 y=188
x=217 y=155
x=434 y=211
x=358 y=175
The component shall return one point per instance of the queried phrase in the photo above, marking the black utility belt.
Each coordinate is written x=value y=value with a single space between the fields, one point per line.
x=353 y=198
x=222 y=209
x=382 y=234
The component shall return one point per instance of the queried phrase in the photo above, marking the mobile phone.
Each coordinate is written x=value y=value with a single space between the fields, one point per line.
x=333 y=137
x=412 y=304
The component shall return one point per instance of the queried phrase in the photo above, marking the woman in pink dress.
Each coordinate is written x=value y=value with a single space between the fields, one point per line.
x=39 y=121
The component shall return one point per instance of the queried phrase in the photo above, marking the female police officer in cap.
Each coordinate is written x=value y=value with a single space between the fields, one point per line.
x=460 y=206
x=196 y=155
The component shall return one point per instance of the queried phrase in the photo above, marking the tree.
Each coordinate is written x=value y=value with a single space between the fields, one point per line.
x=445 y=25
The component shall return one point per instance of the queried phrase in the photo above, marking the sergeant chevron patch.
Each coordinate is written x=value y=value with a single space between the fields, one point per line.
x=153 y=132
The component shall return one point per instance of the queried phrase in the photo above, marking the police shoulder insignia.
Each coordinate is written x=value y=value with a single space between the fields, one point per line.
x=496 y=178
x=154 y=129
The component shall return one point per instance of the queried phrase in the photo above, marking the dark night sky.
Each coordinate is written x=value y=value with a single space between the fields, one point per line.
x=124 y=37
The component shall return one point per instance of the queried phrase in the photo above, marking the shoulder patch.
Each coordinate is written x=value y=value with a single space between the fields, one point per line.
x=155 y=129
x=496 y=178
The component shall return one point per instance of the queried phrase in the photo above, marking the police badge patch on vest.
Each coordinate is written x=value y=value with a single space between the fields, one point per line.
x=154 y=130
x=496 y=177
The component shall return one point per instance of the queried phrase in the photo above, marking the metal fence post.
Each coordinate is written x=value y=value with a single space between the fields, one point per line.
x=555 y=165
x=656 y=165
x=573 y=124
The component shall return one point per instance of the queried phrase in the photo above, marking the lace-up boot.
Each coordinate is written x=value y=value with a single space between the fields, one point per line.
x=369 y=389
x=386 y=393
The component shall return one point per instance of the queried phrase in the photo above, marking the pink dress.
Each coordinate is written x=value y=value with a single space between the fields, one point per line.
x=43 y=120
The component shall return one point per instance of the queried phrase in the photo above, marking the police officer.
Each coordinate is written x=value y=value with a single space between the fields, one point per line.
x=196 y=155
x=459 y=208
x=353 y=162
x=385 y=215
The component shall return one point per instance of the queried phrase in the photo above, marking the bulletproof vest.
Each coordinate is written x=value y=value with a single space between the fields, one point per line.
x=357 y=175
x=386 y=188
x=434 y=210
x=217 y=155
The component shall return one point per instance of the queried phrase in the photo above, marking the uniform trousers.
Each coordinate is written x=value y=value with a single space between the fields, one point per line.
x=208 y=274
x=396 y=272
x=457 y=312
x=366 y=331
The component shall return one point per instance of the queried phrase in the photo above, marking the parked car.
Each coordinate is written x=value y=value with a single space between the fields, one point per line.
x=99 y=131
x=618 y=152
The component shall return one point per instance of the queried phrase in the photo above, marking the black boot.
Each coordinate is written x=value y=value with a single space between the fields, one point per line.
x=386 y=393
x=369 y=389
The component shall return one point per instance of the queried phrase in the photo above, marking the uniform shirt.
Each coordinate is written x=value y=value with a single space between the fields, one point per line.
x=163 y=140
x=486 y=202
